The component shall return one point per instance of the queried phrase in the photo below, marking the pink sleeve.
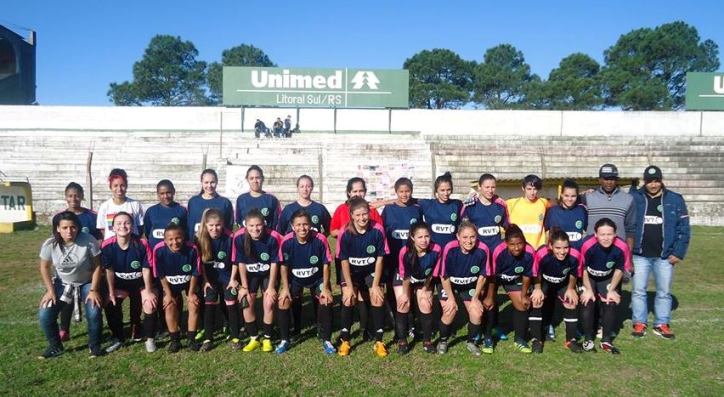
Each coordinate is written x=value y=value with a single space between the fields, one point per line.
x=154 y=262
x=584 y=249
x=401 y=262
x=147 y=248
x=438 y=250
x=238 y=233
x=487 y=256
x=198 y=257
x=322 y=238
x=579 y=258
x=496 y=253
x=529 y=249
x=338 y=247
x=278 y=238
x=381 y=229
x=627 y=265
x=440 y=269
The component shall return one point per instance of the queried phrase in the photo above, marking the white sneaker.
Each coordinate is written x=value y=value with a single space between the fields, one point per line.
x=150 y=345
x=115 y=345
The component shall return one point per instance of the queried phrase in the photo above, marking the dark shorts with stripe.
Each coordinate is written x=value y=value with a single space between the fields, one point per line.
x=211 y=295
x=464 y=291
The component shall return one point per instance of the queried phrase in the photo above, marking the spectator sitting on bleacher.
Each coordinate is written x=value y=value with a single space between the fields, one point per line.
x=288 y=126
x=278 y=128
x=259 y=128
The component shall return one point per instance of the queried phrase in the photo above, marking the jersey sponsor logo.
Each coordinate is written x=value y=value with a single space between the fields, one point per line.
x=135 y=265
x=178 y=280
x=371 y=249
x=175 y=220
x=257 y=267
x=475 y=269
x=361 y=261
x=487 y=231
x=221 y=255
x=530 y=228
x=315 y=219
x=506 y=277
x=129 y=276
x=497 y=218
x=610 y=264
x=463 y=280
x=218 y=265
x=653 y=220
x=442 y=229
x=304 y=273
x=574 y=236
x=598 y=273
x=85 y=229
x=413 y=221
x=264 y=256
x=554 y=280
x=579 y=224
x=519 y=269
x=314 y=259
x=265 y=211
x=157 y=233
x=453 y=216
x=186 y=268
x=399 y=235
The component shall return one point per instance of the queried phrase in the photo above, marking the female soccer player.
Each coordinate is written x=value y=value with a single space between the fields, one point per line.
x=569 y=215
x=220 y=274
x=361 y=248
x=166 y=211
x=416 y=262
x=124 y=256
x=318 y=213
x=208 y=198
x=118 y=183
x=605 y=257
x=487 y=213
x=442 y=213
x=514 y=265
x=462 y=272
x=178 y=266
x=68 y=261
x=257 y=198
x=305 y=265
x=256 y=250
x=558 y=266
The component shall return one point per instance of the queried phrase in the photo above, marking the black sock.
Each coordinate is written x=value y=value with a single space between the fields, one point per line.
x=536 y=323
x=251 y=329
x=609 y=321
x=297 y=314
x=209 y=319
x=324 y=321
x=378 y=320
x=444 y=331
x=401 y=326
x=283 y=321
x=233 y=313
x=149 y=325
x=346 y=317
x=114 y=317
x=491 y=319
x=175 y=336
x=364 y=323
x=473 y=331
x=587 y=316
x=426 y=322
x=570 y=318
x=520 y=324
x=267 y=330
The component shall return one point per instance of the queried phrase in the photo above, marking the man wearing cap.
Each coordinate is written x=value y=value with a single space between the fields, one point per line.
x=662 y=238
x=609 y=201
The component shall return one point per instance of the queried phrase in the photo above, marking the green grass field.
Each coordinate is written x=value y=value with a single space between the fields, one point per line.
x=693 y=364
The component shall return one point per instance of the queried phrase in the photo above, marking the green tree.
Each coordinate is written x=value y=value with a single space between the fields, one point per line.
x=241 y=55
x=439 y=79
x=168 y=75
x=646 y=68
x=573 y=85
x=504 y=80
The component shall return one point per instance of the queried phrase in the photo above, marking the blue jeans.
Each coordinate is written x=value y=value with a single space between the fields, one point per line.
x=49 y=317
x=663 y=275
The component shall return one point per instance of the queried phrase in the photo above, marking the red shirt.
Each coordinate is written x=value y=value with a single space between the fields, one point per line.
x=340 y=218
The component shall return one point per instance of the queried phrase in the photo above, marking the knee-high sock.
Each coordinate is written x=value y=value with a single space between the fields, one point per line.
x=378 y=320
x=570 y=317
x=426 y=323
x=609 y=321
x=444 y=331
x=587 y=315
x=491 y=321
x=297 y=314
x=283 y=321
x=149 y=325
x=473 y=331
x=364 y=324
x=324 y=321
x=114 y=316
x=346 y=320
x=536 y=323
x=233 y=313
x=252 y=329
x=136 y=308
x=401 y=326
x=209 y=321
x=520 y=323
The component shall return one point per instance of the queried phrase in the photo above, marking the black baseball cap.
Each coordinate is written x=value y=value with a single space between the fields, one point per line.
x=608 y=171
x=651 y=173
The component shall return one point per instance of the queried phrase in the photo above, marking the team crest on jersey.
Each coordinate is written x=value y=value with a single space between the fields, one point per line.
x=565 y=270
x=579 y=224
x=265 y=211
x=314 y=259
x=221 y=255
x=413 y=221
x=474 y=269
x=498 y=218
x=186 y=268
x=428 y=271
x=453 y=217
x=540 y=217
x=135 y=265
x=315 y=219
x=84 y=229
x=264 y=256
x=519 y=269
x=175 y=220
x=610 y=264
x=660 y=208
x=370 y=249
x=471 y=292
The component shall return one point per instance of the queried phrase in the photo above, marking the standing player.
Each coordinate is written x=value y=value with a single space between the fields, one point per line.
x=208 y=198
x=514 y=266
x=417 y=262
x=488 y=213
x=569 y=215
x=605 y=257
x=166 y=211
x=124 y=256
x=177 y=264
x=118 y=183
x=256 y=250
x=361 y=247
x=442 y=213
x=462 y=272
x=556 y=284
x=529 y=211
x=220 y=276
x=305 y=265
x=257 y=198
x=318 y=214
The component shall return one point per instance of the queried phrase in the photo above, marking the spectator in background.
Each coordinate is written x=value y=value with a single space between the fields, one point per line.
x=259 y=128
x=288 y=126
x=278 y=128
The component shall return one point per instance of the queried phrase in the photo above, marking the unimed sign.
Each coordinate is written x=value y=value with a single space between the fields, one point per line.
x=705 y=91
x=330 y=88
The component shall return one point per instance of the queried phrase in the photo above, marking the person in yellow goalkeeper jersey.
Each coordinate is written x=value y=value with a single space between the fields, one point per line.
x=529 y=210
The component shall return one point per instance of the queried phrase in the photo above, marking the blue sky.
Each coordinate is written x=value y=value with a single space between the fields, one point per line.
x=84 y=45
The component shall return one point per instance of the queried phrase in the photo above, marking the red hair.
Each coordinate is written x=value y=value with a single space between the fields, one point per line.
x=117 y=173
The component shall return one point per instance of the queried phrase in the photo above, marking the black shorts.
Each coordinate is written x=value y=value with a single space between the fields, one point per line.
x=297 y=289
x=362 y=281
x=465 y=292
x=511 y=285
x=600 y=286
x=554 y=289
x=397 y=281
x=132 y=287
x=211 y=295
x=257 y=281
x=177 y=290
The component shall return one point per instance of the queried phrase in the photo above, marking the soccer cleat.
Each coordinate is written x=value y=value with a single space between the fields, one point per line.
x=573 y=346
x=608 y=347
x=282 y=347
x=639 y=330
x=328 y=347
x=488 y=346
x=150 y=345
x=522 y=347
x=266 y=345
x=442 y=347
x=499 y=334
x=428 y=347
x=599 y=333
x=64 y=335
x=252 y=345
x=536 y=346
x=551 y=334
x=174 y=346
x=344 y=348
x=115 y=345
x=200 y=335
x=589 y=346
x=50 y=352
x=412 y=334
x=380 y=349
x=473 y=348
x=402 y=347
x=136 y=333
x=194 y=345
x=95 y=351
x=235 y=344
x=664 y=331
x=206 y=346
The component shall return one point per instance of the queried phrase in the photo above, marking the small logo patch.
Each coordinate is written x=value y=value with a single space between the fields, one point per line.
x=453 y=216
x=471 y=292
x=221 y=255
x=413 y=221
x=186 y=268
x=652 y=171
x=135 y=265
x=233 y=292
x=286 y=256
x=498 y=218
x=474 y=270
x=540 y=217
x=579 y=225
x=314 y=259
x=519 y=269
x=315 y=219
x=565 y=270
x=264 y=256
x=84 y=229
x=610 y=264
x=428 y=271
x=265 y=211
x=371 y=249
x=660 y=208
x=175 y=220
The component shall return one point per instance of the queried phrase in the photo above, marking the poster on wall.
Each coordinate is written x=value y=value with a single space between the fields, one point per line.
x=381 y=178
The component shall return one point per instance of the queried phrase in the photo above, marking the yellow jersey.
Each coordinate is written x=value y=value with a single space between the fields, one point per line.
x=529 y=216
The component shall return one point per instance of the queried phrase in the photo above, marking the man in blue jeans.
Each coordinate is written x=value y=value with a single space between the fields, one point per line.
x=662 y=238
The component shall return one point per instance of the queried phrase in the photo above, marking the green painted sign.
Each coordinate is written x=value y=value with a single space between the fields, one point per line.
x=705 y=91
x=306 y=87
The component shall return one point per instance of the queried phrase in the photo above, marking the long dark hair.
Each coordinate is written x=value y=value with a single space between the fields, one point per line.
x=63 y=216
x=352 y=181
x=569 y=183
x=249 y=250
x=444 y=178
x=411 y=257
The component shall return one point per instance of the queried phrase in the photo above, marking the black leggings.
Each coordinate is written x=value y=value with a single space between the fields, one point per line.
x=114 y=314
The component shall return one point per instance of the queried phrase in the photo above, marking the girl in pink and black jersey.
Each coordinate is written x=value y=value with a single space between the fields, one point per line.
x=258 y=199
